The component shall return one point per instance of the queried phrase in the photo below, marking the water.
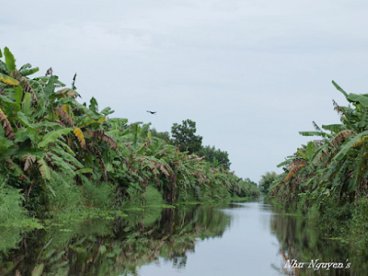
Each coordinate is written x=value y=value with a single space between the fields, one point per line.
x=247 y=247
x=240 y=239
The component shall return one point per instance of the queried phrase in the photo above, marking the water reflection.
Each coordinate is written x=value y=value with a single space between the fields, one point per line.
x=102 y=247
x=303 y=244
x=241 y=239
x=245 y=248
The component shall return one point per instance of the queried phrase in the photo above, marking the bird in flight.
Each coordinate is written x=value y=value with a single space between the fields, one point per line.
x=152 y=112
x=49 y=72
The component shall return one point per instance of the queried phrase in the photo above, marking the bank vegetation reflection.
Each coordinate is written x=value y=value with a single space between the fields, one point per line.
x=105 y=247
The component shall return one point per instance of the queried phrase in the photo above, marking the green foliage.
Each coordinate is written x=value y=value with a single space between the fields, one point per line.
x=60 y=154
x=359 y=226
x=13 y=216
x=66 y=196
x=215 y=156
x=11 y=209
x=53 y=136
x=165 y=136
x=337 y=165
x=152 y=197
x=327 y=178
x=98 y=196
x=9 y=60
x=9 y=238
x=267 y=180
x=185 y=138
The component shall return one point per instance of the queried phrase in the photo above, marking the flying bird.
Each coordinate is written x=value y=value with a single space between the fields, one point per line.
x=49 y=72
x=152 y=112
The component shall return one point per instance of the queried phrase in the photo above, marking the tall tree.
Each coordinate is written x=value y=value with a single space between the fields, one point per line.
x=185 y=138
x=266 y=181
x=216 y=156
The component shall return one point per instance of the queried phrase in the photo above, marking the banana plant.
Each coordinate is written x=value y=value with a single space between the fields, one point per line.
x=337 y=164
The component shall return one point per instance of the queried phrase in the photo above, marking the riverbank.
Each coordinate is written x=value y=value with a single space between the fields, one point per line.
x=326 y=180
x=61 y=156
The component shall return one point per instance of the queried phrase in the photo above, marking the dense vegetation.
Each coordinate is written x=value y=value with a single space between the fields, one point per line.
x=185 y=138
x=328 y=178
x=59 y=154
x=266 y=182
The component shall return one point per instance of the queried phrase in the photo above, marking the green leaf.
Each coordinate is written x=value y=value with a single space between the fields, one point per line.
x=355 y=98
x=3 y=68
x=27 y=104
x=23 y=119
x=66 y=156
x=9 y=60
x=38 y=269
x=335 y=128
x=65 y=147
x=7 y=100
x=93 y=105
x=359 y=171
x=25 y=66
x=18 y=95
x=4 y=145
x=84 y=170
x=31 y=71
x=44 y=169
x=349 y=145
x=62 y=165
x=8 y=80
x=310 y=150
x=340 y=89
x=314 y=133
x=50 y=86
x=284 y=163
x=27 y=69
x=53 y=136
x=102 y=249
x=22 y=135
x=107 y=111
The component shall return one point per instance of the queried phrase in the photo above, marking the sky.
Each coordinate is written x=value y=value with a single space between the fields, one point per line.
x=251 y=73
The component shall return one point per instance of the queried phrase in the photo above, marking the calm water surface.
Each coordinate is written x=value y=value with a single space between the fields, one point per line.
x=240 y=239
x=247 y=247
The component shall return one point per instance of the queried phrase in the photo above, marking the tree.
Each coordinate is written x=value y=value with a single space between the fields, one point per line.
x=164 y=135
x=216 y=156
x=266 y=181
x=185 y=138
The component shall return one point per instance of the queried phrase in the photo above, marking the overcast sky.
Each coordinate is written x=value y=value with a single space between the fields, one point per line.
x=251 y=73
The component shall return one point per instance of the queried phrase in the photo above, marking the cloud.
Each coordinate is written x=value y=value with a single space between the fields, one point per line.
x=251 y=73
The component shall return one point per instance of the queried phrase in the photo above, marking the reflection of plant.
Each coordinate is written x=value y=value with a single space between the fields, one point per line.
x=103 y=247
x=304 y=240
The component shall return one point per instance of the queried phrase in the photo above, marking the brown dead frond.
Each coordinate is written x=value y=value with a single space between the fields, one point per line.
x=341 y=137
x=9 y=132
x=294 y=167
